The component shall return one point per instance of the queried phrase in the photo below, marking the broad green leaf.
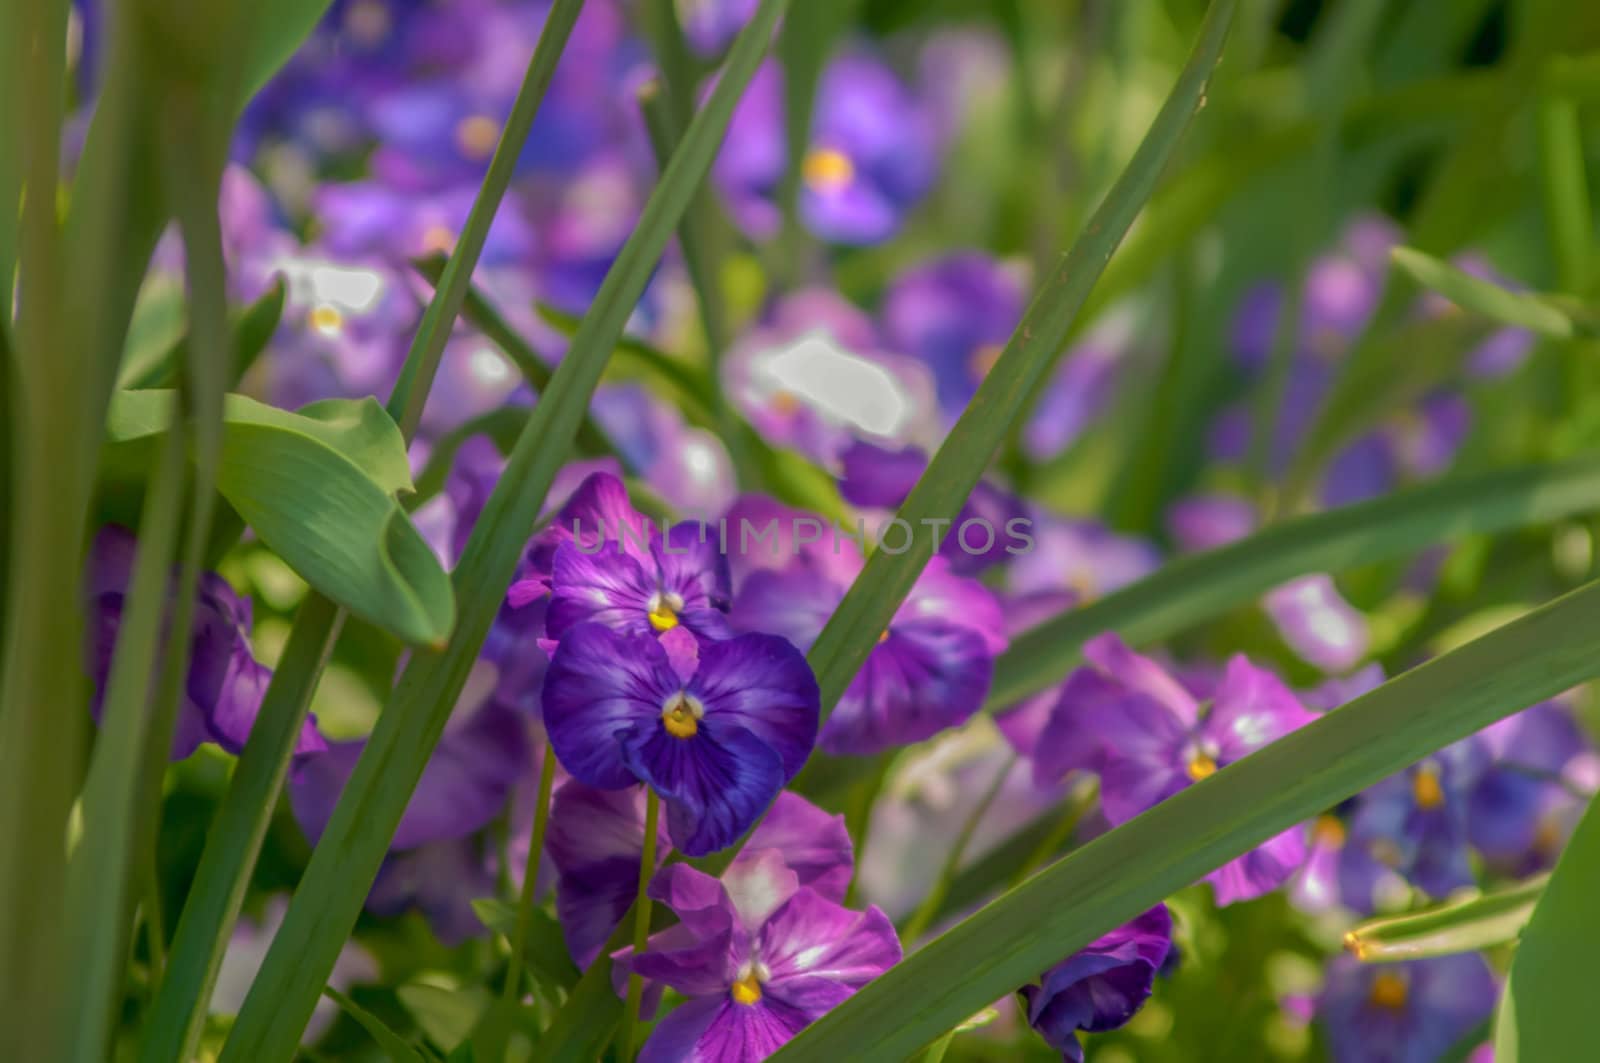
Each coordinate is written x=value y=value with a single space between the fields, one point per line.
x=1189 y=590
x=318 y=487
x=1460 y=926
x=1547 y=1010
x=1539 y=313
x=871 y=602
x=1127 y=870
x=447 y=1016
x=544 y=949
x=397 y=1048
x=352 y=848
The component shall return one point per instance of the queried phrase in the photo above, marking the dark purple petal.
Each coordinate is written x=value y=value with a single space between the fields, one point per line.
x=440 y=879
x=601 y=687
x=925 y=677
x=1101 y=986
x=941 y=595
x=761 y=684
x=715 y=783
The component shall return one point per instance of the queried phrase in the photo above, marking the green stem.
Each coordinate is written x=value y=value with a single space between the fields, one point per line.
x=641 y=922
x=154 y=924
x=952 y=863
x=530 y=877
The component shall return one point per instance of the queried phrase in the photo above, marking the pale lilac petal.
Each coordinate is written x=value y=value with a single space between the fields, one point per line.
x=1261 y=870
x=1252 y=709
x=1317 y=622
x=814 y=844
x=758 y=884
x=813 y=937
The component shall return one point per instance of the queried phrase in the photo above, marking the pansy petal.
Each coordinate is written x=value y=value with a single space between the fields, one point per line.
x=605 y=587
x=1252 y=708
x=940 y=594
x=1111 y=656
x=681 y=1036
x=815 y=845
x=814 y=937
x=1261 y=870
x=793 y=603
x=715 y=783
x=704 y=967
x=927 y=676
x=698 y=899
x=600 y=685
x=691 y=563
x=758 y=884
x=761 y=684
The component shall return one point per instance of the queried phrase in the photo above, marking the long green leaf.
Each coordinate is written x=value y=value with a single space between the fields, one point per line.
x=854 y=628
x=1192 y=589
x=353 y=845
x=1547 y=1010
x=1124 y=872
x=397 y=1048
x=1529 y=310
x=1460 y=926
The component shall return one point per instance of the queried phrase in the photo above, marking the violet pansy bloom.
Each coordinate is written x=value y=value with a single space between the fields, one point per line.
x=1149 y=737
x=1416 y=822
x=1412 y=1012
x=759 y=956
x=597 y=836
x=1523 y=804
x=1102 y=985
x=932 y=665
x=873 y=154
x=716 y=729
x=604 y=562
x=225 y=684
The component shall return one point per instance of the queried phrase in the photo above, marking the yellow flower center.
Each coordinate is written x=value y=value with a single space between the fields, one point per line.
x=438 y=238
x=1425 y=788
x=883 y=637
x=1201 y=766
x=681 y=715
x=1388 y=991
x=747 y=990
x=983 y=359
x=827 y=170
x=326 y=319
x=1329 y=831
x=784 y=403
x=664 y=611
x=476 y=136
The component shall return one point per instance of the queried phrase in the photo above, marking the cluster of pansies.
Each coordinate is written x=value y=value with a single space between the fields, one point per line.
x=665 y=660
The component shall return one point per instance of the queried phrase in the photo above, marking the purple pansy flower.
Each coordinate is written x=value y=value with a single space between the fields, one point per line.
x=611 y=566
x=1523 y=804
x=930 y=669
x=716 y=730
x=1411 y=1012
x=759 y=955
x=225 y=684
x=1148 y=736
x=873 y=153
x=1416 y=822
x=597 y=836
x=1102 y=985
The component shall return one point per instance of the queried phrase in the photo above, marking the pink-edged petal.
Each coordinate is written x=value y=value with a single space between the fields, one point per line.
x=761 y=684
x=927 y=676
x=601 y=685
x=814 y=844
x=758 y=884
x=811 y=936
x=715 y=783
x=1112 y=657
x=606 y=587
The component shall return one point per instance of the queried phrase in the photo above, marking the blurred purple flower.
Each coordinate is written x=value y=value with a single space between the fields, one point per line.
x=711 y=25
x=1416 y=822
x=716 y=730
x=1102 y=985
x=225 y=684
x=1412 y=1012
x=873 y=153
x=930 y=669
x=1148 y=737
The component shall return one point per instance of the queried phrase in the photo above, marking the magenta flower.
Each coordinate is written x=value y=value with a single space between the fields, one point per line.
x=759 y=955
x=597 y=838
x=223 y=691
x=1102 y=985
x=1149 y=736
x=716 y=730
x=930 y=670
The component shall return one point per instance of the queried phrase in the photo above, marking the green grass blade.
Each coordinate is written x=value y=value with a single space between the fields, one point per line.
x=1547 y=1010
x=427 y=347
x=1460 y=926
x=397 y=1048
x=347 y=858
x=1500 y=305
x=870 y=604
x=1122 y=873
x=1564 y=180
x=1189 y=590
